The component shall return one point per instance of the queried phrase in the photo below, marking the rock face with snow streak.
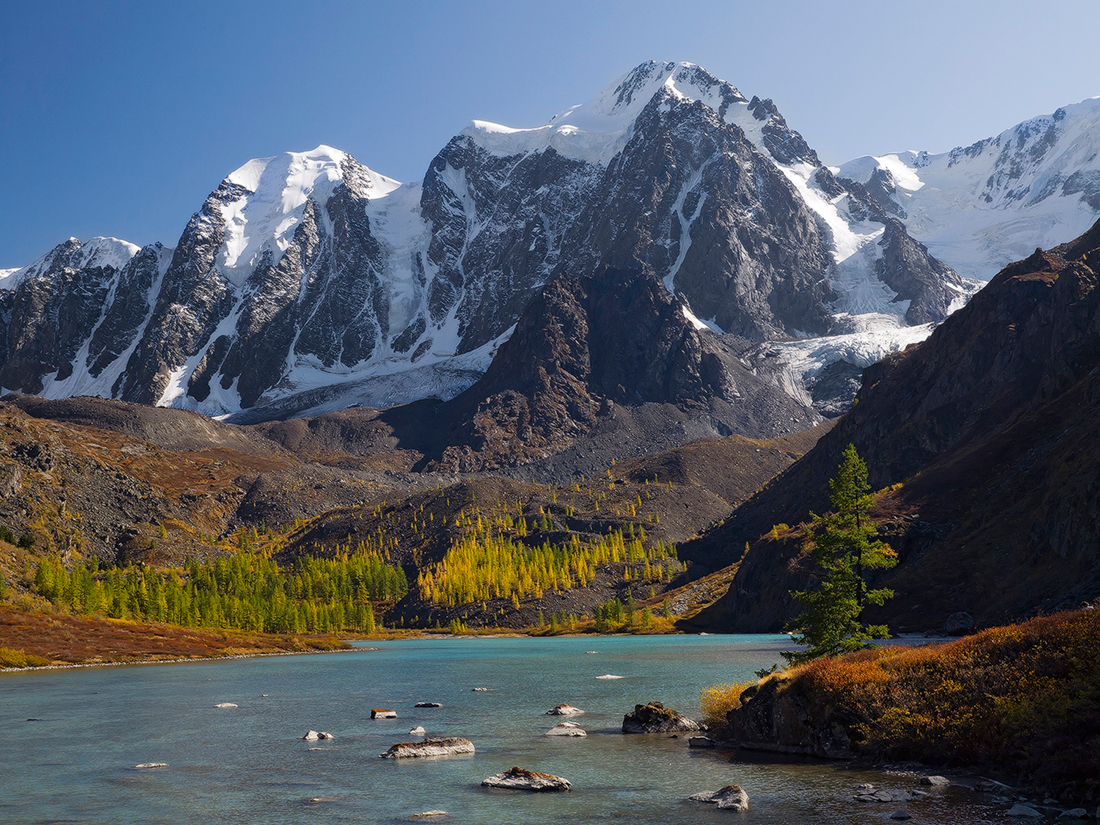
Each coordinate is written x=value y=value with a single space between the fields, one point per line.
x=308 y=282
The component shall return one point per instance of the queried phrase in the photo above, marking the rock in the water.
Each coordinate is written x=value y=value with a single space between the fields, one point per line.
x=656 y=718
x=884 y=796
x=479 y=690
x=609 y=676
x=1074 y=813
x=427 y=705
x=958 y=624
x=901 y=815
x=145 y=765
x=566 y=729
x=564 y=710
x=447 y=746
x=1024 y=812
x=732 y=797
x=935 y=780
x=429 y=814
x=225 y=705
x=313 y=736
x=417 y=731
x=524 y=780
x=382 y=713
x=701 y=742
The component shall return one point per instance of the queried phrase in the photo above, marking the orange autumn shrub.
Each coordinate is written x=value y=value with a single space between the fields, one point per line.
x=1023 y=698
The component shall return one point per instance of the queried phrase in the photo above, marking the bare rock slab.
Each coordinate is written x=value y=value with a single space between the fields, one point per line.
x=656 y=718
x=732 y=797
x=447 y=746
x=520 y=779
x=567 y=729
x=382 y=713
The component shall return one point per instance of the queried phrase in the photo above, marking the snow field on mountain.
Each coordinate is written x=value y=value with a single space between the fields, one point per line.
x=981 y=207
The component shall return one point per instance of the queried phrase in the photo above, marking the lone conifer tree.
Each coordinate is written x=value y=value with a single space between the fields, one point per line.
x=843 y=546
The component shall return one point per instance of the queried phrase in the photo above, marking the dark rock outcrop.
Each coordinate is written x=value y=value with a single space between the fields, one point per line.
x=571 y=363
x=773 y=717
x=654 y=717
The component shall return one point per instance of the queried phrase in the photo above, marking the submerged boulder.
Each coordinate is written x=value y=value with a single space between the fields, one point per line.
x=656 y=718
x=566 y=729
x=447 y=746
x=521 y=779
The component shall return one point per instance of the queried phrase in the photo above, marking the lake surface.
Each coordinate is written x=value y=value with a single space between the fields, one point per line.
x=74 y=762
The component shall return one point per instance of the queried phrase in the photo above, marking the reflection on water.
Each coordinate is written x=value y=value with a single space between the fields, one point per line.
x=75 y=763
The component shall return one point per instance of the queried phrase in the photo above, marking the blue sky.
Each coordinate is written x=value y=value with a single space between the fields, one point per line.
x=118 y=118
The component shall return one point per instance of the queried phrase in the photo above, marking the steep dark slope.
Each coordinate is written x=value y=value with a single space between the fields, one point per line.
x=992 y=429
x=590 y=349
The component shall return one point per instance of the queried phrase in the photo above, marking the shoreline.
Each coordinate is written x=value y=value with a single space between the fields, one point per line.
x=181 y=661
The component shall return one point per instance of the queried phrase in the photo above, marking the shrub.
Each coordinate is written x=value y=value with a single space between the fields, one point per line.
x=718 y=700
x=17 y=658
x=1022 y=698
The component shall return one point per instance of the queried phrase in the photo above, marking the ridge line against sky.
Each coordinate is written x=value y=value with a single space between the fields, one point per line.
x=119 y=118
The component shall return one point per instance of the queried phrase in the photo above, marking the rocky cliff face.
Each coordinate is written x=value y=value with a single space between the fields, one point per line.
x=308 y=282
x=586 y=346
x=990 y=430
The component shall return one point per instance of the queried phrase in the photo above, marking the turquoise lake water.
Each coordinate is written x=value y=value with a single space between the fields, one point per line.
x=74 y=763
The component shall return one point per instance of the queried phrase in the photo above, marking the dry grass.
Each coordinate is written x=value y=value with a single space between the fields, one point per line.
x=1023 y=699
x=718 y=700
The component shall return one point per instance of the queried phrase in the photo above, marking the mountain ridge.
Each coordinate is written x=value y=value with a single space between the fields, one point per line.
x=307 y=281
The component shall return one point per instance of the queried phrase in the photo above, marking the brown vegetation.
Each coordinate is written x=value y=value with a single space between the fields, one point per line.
x=1022 y=701
x=58 y=639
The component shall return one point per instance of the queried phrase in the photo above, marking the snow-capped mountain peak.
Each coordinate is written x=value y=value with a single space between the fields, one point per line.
x=597 y=130
x=271 y=195
x=73 y=254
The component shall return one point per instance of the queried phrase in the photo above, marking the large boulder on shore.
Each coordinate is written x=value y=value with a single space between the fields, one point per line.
x=656 y=718
x=520 y=779
x=775 y=716
x=447 y=746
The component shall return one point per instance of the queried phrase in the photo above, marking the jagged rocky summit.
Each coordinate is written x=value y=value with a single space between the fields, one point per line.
x=308 y=282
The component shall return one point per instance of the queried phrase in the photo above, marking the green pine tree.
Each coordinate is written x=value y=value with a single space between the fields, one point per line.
x=843 y=547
